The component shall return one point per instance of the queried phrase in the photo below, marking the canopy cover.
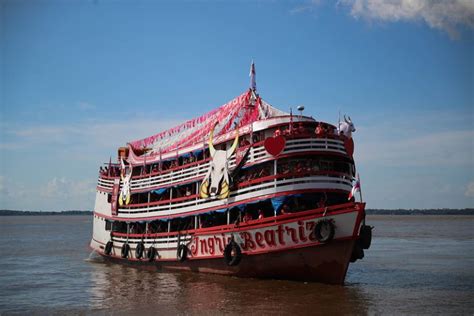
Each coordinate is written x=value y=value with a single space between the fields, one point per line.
x=244 y=109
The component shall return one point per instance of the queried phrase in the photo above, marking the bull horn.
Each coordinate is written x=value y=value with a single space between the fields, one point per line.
x=350 y=121
x=231 y=150
x=345 y=119
x=212 y=150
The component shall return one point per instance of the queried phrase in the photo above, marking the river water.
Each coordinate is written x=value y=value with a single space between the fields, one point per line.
x=416 y=265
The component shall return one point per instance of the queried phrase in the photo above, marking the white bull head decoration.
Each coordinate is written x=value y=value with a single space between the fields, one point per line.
x=216 y=181
x=346 y=127
x=124 y=197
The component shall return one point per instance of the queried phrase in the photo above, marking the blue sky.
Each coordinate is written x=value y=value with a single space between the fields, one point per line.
x=81 y=78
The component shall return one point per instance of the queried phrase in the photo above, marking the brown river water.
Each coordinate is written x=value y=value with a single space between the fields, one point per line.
x=416 y=265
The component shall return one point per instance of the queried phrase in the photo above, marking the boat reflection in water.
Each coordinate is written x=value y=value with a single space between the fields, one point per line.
x=125 y=288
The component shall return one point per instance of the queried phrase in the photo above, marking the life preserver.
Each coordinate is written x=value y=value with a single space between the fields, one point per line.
x=232 y=253
x=139 y=250
x=324 y=230
x=365 y=236
x=182 y=253
x=125 y=250
x=108 y=248
x=151 y=254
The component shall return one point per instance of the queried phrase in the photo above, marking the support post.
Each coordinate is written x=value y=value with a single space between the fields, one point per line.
x=275 y=169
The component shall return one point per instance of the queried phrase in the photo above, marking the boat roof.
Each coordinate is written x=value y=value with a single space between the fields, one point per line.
x=242 y=110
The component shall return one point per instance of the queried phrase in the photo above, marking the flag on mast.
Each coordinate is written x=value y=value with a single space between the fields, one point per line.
x=253 y=75
x=355 y=188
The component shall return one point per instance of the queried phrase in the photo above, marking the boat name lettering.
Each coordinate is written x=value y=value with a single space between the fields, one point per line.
x=259 y=239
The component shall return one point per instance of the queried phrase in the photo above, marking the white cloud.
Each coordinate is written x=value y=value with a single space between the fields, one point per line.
x=438 y=138
x=10 y=191
x=56 y=194
x=93 y=133
x=62 y=188
x=445 y=15
x=70 y=156
x=470 y=190
x=447 y=148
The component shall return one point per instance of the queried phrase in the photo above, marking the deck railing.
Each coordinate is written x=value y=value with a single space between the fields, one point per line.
x=196 y=170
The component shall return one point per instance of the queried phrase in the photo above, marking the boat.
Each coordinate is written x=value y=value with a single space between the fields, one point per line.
x=244 y=190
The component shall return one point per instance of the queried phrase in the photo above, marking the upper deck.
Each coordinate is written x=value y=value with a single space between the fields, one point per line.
x=169 y=186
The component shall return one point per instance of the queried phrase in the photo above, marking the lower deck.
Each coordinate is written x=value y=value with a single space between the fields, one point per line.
x=286 y=246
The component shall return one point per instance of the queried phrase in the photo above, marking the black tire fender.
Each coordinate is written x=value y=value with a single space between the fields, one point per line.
x=365 y=236
x=324 y=230
x=108 y=248
x=139 y=250
x=125 y=250
x=182 y=253
x=232 y=253
x=151 y=254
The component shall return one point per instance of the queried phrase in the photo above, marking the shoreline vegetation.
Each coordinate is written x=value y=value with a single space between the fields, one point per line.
x=466 y=211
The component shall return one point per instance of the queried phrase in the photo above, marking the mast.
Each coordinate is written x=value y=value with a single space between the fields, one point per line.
x=253 y=78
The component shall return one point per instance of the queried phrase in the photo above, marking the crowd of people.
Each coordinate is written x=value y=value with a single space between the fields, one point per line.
x=296 y=129
x=111 y=171
x=300 y=129
x=258 y=172
x=238 y=215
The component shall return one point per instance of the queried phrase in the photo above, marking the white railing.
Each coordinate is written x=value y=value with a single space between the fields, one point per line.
x=256 y=155
x=151 y=240
x=250 y=192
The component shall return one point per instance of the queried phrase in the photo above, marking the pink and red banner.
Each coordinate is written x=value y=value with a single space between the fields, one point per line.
x=241 y=111
x=197 y=130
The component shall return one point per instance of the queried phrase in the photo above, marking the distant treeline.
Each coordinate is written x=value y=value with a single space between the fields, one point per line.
x=30 y=213
x=466 y=211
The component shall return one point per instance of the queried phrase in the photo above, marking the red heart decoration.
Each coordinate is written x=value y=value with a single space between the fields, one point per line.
x=275 y=145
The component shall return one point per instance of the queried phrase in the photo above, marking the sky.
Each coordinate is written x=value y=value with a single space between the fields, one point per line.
x=78 y=79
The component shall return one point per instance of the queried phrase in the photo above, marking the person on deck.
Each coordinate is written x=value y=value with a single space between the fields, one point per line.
x=244 y=142
x=299 y=167
x=301 y=129
x=173 y=164
x=263 y=173
x=285 y=209
x=319 y=130
x=247 y=217
x=322 y=201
